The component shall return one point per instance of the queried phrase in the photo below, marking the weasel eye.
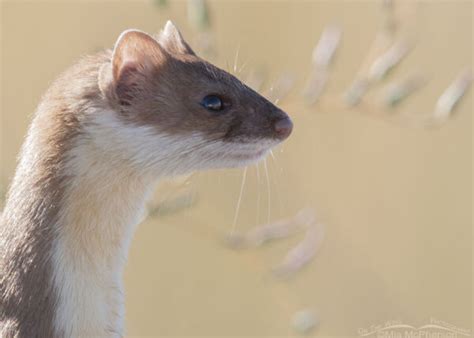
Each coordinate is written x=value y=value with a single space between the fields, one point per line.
x=212 y=102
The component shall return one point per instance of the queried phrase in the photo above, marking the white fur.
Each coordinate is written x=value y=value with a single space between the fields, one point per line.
x=113 y=170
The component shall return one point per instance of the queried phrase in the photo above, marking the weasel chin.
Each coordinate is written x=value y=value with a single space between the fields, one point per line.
x=243 y=160
x=235 y=155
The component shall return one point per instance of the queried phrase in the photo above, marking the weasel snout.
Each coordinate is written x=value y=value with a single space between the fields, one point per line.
x=283 y=127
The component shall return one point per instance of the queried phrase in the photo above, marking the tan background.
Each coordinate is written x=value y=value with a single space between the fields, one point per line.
x=396 y=200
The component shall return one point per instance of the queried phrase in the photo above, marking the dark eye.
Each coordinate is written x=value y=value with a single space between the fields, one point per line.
x=212 y=103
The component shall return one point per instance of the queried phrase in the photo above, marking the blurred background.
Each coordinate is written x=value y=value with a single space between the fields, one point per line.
x=382 y=162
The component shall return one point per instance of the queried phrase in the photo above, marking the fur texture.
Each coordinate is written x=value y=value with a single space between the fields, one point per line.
x=105 y=131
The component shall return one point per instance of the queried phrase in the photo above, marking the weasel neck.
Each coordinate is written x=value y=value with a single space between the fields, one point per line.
x=102 y=207
x=68 y=231
x=69 y=217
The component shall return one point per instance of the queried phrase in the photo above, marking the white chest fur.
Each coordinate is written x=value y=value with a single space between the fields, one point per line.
x=98 y=217
x=89 y=256
x=112 y=172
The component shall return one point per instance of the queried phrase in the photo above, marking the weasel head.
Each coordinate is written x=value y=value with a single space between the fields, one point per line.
x=183 y=113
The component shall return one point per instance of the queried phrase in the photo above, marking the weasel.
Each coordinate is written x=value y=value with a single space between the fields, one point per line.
x=105 y=131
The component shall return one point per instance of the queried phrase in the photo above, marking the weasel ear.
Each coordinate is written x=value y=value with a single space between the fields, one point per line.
x=135 y=56
x=172 y=40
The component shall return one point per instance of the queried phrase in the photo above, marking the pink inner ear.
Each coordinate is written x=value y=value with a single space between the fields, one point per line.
x=135 y=55
x=126 y=82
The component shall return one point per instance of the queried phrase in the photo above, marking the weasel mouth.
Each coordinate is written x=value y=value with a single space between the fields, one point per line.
x=240 y=154
x=249 y=155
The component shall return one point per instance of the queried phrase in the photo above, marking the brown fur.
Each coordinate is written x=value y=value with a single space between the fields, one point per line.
x=26 y=230
x=144 y=83
x=168 y=86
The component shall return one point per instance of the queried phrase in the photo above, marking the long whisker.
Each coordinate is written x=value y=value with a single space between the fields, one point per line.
x=275 y=180
x=272 y=155
x=237 y=209
x=192 y=185
x=239 y=71
x=258 y=193
x=236 y=59
x=268 y=190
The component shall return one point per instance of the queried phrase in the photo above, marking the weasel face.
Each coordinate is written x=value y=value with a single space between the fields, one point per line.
x=211 y=117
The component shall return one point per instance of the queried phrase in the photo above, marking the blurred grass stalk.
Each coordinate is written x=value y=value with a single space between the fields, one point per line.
x=198 y=14
x=161 y=3
x=200 y=19
x=452 y=95
x=322 y=58
x=398 y=91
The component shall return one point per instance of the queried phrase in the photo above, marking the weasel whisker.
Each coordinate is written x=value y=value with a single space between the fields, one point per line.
x=258 y=192
x=276 y=182
x=268 y=190
x=237 y=209
x=236 y=59
x=239 y=71
x=272 y=155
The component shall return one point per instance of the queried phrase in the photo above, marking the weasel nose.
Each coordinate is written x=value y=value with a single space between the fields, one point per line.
x=283 y=127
